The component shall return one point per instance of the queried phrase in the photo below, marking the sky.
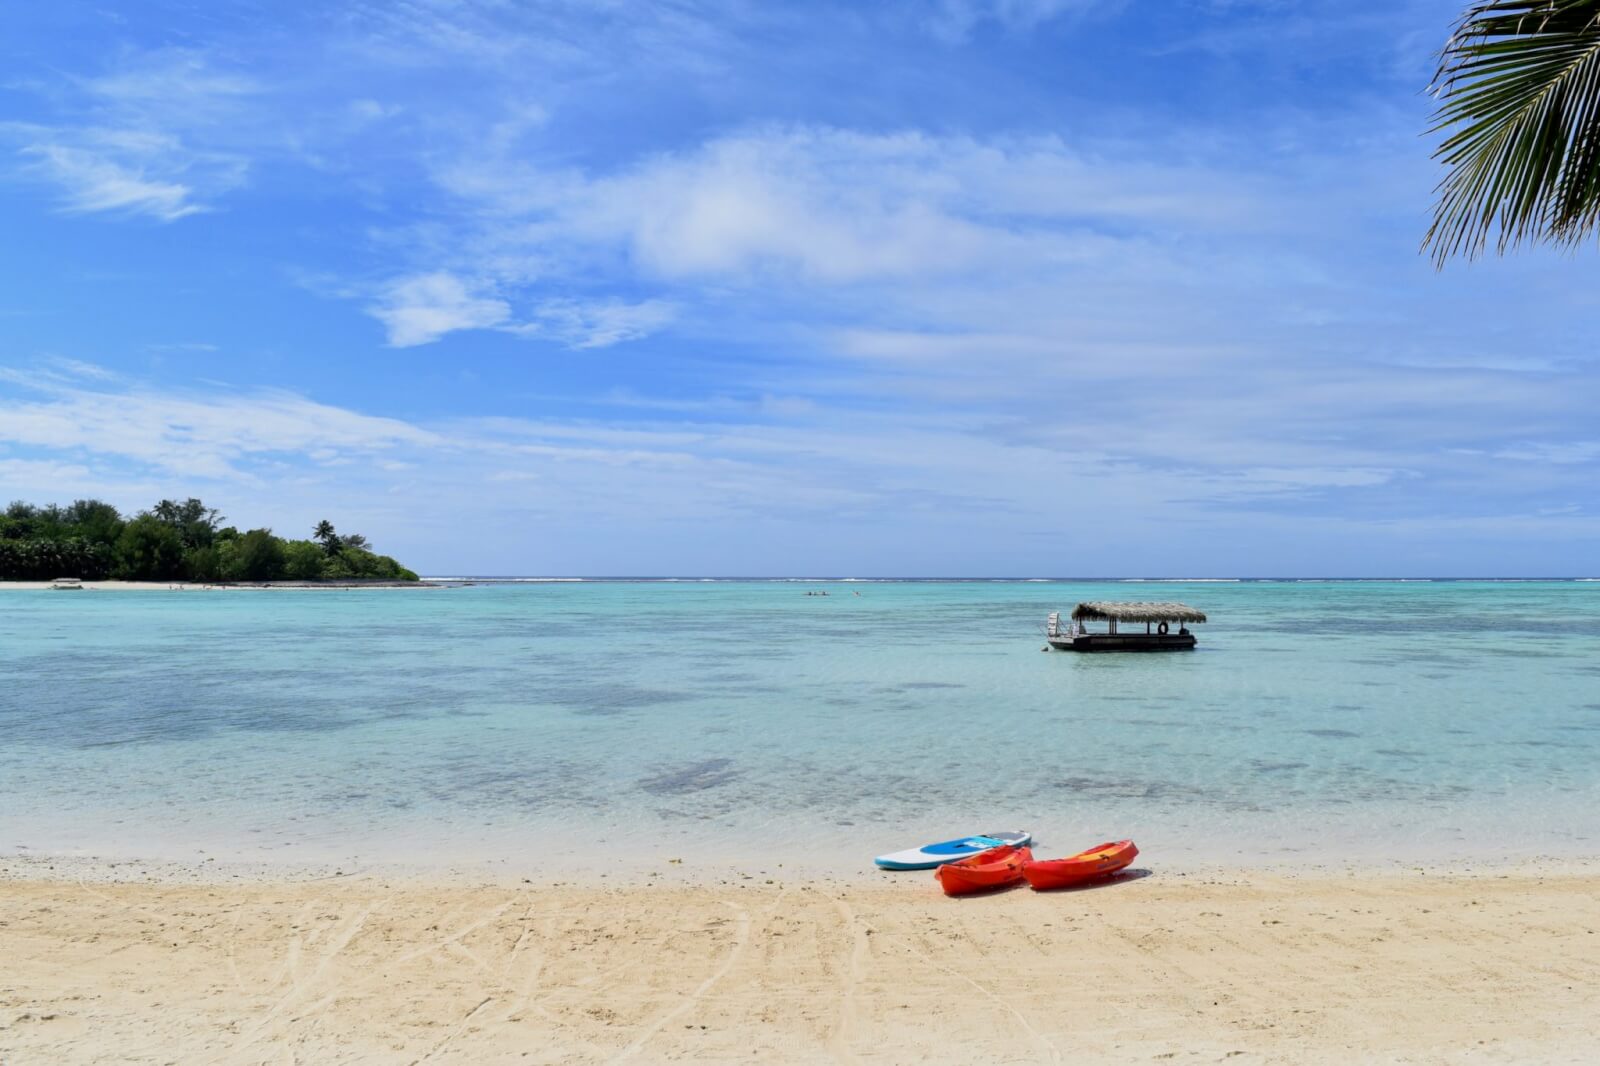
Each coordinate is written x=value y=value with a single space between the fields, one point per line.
x=714 y=287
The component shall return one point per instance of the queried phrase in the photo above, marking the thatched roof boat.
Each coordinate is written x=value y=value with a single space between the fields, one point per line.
x=1158 y=619
x=1105 y=611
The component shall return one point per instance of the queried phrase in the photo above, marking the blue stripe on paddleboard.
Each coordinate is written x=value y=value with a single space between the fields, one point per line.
x=953 y=847
x=935 y=855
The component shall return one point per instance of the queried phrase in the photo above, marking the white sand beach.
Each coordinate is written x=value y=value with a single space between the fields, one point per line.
x=110 y=586
x=1320 y=968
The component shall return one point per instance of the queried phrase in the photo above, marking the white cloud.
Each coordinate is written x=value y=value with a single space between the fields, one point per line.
x=424 y=307
x=366 y=110
x=836 y=221
x=835 y=207
x=173 y=87
x=856 y=482
x=77 y=368
x=34 y=472
x=1270 y=480
x=216 y=434
x=600 y=324
x=157 y=137
x=92 y=182
x=1558 y=452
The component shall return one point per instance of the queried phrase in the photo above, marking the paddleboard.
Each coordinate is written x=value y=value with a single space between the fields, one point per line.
x=931 y=855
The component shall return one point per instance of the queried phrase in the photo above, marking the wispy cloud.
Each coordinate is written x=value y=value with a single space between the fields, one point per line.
x=731 y=470
x=172 y=88
x=836 y=206
x=890 y=227
x=150 y=139
x=92 y=182
x=423 y=308
x=1559 y=452
x=601 y=324
x=216 y=434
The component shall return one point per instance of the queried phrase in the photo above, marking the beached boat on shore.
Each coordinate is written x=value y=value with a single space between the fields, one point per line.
x=930 y=856
x=1100 y=861
x=1166 y=627
x=67 y=584
x=985 y=871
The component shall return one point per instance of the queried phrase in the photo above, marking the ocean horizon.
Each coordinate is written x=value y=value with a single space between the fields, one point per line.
x=1000 y=579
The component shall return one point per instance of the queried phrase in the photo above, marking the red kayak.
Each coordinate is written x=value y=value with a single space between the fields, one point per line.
x=995 y=868
x=1102 y=860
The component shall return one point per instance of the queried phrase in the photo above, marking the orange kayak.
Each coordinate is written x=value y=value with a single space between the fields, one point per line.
x=1102 y=860
x=995 y=868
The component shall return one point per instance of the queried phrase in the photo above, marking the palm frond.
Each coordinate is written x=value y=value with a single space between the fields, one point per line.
x=1519 y=90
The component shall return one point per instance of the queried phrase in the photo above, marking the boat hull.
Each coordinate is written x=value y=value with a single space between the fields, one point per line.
x=1100 y=861
x=1124 y=642
x=930 y=856
x=984 y=872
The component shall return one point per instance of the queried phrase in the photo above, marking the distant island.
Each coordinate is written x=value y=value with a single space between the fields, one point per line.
x=175 y=541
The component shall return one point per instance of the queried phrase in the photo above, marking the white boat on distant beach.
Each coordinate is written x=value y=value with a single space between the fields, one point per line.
x=67 y=583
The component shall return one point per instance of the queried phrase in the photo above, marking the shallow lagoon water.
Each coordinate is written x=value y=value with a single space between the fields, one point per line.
x=747 y=720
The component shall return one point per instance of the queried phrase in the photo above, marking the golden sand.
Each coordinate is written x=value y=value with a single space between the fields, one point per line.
x=1164 y=968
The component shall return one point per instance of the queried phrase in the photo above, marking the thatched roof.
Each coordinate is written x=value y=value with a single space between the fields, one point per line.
x=1138 y=612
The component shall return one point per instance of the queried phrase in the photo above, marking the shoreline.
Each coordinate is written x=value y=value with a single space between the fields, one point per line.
x=688 y=871
x=224 y=586
x=1317 y=968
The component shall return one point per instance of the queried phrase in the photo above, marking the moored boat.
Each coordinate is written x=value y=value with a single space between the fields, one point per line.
x=1158 y=618
x=984 y=872
x=1098 y=862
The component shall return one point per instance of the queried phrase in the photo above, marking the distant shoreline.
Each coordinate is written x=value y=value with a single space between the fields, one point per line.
x=646 y=579
x=233 y=586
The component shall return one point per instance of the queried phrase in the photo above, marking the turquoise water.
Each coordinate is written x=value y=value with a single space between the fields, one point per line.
x=748 y=720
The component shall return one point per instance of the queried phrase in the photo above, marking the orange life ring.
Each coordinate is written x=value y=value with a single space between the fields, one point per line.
x=1162 y=629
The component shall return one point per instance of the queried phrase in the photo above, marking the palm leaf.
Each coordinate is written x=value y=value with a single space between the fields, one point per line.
x=1519 y=91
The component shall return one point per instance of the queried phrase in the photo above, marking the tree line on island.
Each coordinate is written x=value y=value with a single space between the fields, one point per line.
x=175 y=541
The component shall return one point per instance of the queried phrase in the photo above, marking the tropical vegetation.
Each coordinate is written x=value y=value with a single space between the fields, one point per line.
x=175 y=541
x=1519 y=91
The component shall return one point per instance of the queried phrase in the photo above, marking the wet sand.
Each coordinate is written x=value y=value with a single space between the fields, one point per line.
x=1321 y=967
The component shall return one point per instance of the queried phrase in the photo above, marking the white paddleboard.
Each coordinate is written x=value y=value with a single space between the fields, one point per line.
x=931 y=855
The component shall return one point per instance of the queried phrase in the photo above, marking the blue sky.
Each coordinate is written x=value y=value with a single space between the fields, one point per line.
x=1008 y=287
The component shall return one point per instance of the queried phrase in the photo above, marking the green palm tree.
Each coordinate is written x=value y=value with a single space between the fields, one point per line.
x=325 y=535
x=1519 y=91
